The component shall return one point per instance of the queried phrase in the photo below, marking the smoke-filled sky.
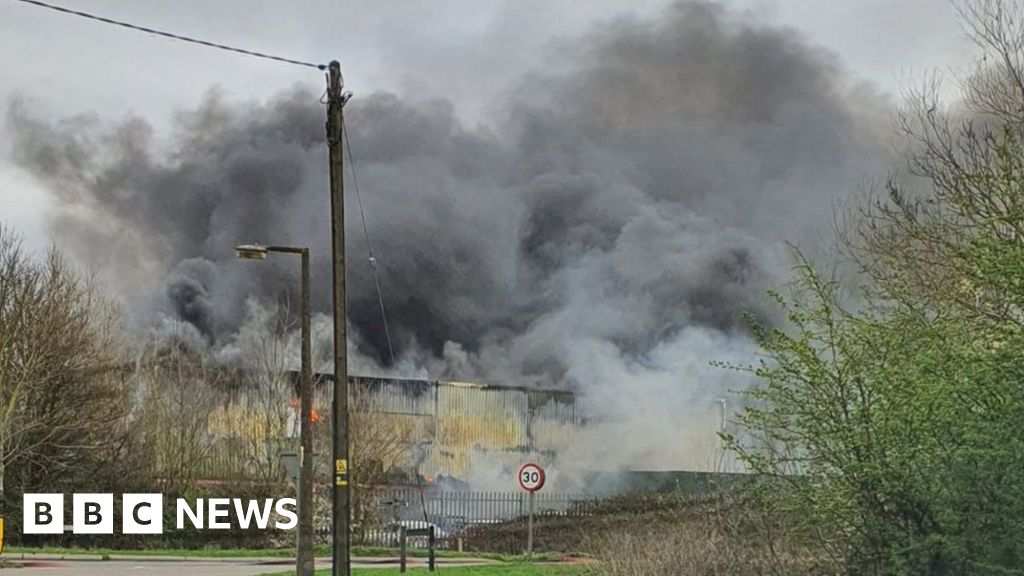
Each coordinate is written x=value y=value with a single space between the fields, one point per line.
x=469 y=51
x=586 y=200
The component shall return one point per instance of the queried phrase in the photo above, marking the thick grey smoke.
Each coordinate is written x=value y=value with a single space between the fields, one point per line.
x=623 y=208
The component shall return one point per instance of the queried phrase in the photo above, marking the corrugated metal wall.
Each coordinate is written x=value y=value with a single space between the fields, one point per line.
x=454 y=428
x=460 y=425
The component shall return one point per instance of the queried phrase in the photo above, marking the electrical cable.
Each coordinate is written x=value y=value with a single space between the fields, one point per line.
x=171 y=35
x=380 y=296
x=355 y=181
x=366 y=235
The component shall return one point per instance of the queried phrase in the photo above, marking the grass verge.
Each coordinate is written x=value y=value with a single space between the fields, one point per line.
x=516 y=569
x=359 y=551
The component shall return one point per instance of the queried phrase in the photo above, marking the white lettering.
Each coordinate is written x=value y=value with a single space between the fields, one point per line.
x=252 y=511
x=184 y=510
x=218 y=509
x=280 y=508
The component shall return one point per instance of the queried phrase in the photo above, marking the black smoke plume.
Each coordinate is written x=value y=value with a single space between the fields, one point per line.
x=637 y=197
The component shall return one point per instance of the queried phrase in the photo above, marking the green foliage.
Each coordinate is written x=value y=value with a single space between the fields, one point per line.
x=896 y=430
x=892 y=431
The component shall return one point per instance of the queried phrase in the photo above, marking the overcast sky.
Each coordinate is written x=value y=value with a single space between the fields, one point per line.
x=473 y=52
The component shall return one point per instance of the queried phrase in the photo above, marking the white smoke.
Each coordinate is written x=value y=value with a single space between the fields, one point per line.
x=604 y=232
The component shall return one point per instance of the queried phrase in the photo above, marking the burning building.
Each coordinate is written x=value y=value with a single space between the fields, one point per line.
x=605 y=230
x=462 y=433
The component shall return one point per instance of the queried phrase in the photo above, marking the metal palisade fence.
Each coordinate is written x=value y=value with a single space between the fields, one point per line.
x=457 y=515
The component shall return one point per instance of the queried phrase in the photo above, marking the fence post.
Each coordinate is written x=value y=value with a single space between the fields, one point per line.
x=529 y=530
x=401 y=549
x=430 y=543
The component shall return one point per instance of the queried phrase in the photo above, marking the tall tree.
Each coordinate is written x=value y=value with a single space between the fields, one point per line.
x=896 y=429
x=62 y=397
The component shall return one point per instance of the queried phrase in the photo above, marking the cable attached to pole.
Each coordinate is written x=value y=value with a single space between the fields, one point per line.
x=380 y=298
x=369 y=248
x=171 y=35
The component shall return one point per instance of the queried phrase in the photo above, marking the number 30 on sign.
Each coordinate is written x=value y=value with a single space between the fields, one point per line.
x=531 y=477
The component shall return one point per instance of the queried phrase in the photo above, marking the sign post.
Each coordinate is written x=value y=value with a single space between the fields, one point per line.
x=531 y=479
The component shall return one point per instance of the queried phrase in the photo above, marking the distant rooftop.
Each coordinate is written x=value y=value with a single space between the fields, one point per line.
x=321 y=378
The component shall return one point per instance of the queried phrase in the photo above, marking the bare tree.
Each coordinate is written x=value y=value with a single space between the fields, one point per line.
x=921 y=240
x=62 y=390
x=891 y=426
x=178 y=395
x=381 y=452
x=263 y=404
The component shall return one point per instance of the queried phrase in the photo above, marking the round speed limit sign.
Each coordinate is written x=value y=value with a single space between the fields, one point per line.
x=531 y=477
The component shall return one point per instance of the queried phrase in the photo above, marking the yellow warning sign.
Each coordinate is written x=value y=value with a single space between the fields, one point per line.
x=340 y=472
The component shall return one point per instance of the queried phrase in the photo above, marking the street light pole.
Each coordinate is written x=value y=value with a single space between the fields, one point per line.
x=304 y=563
x=304 y=559
x=342 y=514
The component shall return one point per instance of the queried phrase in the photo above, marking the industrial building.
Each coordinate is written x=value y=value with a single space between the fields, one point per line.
x=456 y=428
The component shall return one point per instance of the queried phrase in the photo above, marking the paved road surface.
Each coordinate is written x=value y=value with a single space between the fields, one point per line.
x=139 y=568
x=49 y=566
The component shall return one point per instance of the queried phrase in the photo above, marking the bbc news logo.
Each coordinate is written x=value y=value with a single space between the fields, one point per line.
x=144 y=514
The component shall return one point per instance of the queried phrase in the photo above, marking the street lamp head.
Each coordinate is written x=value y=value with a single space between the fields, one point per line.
x=251 y=252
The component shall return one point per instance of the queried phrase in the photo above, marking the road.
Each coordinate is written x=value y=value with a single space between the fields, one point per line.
x=141 y=566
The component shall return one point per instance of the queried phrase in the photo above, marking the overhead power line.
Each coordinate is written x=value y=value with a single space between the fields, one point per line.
x=171 y=35
x=369 y=248
x=380 y=300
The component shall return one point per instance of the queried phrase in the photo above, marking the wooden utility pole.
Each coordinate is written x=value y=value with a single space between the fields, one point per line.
x=342 y=512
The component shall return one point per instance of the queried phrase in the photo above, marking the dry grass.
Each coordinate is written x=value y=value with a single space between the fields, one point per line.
x=712 y=538
x=671 y=535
